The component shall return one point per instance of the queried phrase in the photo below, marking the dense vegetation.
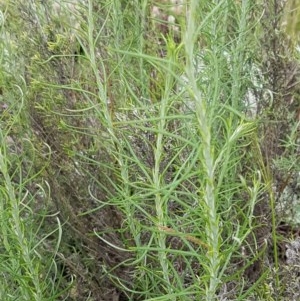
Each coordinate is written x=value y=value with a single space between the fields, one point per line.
x=149 y=150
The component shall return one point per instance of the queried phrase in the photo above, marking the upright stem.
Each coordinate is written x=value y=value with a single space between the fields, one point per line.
x=207 y=158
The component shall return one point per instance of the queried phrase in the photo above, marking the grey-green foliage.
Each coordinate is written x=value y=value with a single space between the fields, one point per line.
x=144 y=123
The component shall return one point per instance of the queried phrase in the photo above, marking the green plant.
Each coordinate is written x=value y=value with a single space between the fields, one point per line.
x=23 y=271
x=130 y=120
x=177 y=176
